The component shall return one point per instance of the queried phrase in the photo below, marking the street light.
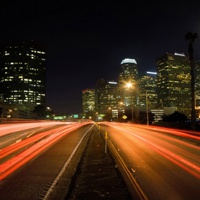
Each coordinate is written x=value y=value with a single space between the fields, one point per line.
x=147 y=108
x=109 y=114
x=119 y=108
x=129 y=85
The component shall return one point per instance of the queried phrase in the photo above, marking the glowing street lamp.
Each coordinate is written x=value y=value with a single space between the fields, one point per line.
x=147 y=108
x=129 y=85
x=119 y=108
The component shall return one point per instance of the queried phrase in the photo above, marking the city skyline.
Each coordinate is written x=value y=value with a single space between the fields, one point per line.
x=87 y=41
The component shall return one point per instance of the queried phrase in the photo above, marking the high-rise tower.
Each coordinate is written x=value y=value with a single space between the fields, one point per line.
x=107 y=99
x=129 y=71
x=88 y=102
x=148 y=90
x=23 y=75
x=128 y=83
x=173 y=82
x=197 y=86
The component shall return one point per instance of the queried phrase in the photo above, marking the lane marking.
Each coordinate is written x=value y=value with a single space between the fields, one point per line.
x=50 y=190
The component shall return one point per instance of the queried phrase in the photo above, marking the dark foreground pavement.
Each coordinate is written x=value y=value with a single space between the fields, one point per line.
x=97 y=176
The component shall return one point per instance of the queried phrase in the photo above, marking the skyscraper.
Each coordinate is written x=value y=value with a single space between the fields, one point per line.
x=129 y=71
x=148 y=90
x=88 y=102
x=173 y=82
x=197 y=86
x=23 y=76
x=107 y=99
x=128 y=83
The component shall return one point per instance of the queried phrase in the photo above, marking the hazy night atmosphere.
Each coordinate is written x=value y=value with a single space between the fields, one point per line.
x=86 y=40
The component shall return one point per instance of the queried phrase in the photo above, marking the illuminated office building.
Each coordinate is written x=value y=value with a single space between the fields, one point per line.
x=88 y=103
x=23 y=76
x=148 y=90
x=197 y=86
x=173 y=82
x=129 y=74
x=107 y=99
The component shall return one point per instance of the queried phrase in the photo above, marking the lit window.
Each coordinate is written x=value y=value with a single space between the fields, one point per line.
x=6 y=53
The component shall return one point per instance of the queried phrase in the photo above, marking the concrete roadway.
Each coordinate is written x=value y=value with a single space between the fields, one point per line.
x=165 y=167
x=33 y=180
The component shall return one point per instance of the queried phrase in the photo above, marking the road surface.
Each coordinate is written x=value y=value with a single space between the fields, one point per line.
x=164 y=162
x=30 y=168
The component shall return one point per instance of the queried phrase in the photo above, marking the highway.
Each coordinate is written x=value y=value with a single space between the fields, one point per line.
x=37 y=160
x=31 y=167
x=12 y=133
x=164 y=162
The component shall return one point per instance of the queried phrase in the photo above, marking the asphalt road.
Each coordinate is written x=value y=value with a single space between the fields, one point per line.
x=166 y=167
x=33 y=180
x=164 y=162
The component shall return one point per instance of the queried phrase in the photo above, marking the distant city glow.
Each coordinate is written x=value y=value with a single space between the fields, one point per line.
x=128 y=60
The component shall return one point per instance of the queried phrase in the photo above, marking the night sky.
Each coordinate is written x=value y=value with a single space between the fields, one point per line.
x=86 y=40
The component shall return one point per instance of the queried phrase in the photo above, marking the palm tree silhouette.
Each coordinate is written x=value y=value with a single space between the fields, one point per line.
x=191 y=38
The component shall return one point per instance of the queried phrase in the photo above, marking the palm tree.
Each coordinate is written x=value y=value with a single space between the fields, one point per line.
x=191 y=38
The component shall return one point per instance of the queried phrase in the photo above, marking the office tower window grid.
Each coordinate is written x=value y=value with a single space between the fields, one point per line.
x=173 y=82
x=23 y=74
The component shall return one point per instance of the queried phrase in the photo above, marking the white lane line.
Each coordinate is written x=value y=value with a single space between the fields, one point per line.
x=64 y=167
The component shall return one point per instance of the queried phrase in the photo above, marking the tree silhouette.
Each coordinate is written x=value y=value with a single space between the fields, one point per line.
x=142 y=118
x=191 y=38
x=175 y=117
x=40 y=111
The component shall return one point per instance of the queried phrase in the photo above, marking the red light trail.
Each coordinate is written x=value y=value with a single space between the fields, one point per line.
x=177 y=151
x=36 y=144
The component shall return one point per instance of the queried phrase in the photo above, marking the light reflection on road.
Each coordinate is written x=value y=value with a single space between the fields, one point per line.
x=159 y=160
x=14 y=156
x=9 y=128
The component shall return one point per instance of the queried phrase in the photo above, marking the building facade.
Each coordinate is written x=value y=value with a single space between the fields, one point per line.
x=174 y=82
x=88 y=103
x=23 y=76
x=148 y=90
x=107 y=100
x=197 y=87
x=128 y=82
